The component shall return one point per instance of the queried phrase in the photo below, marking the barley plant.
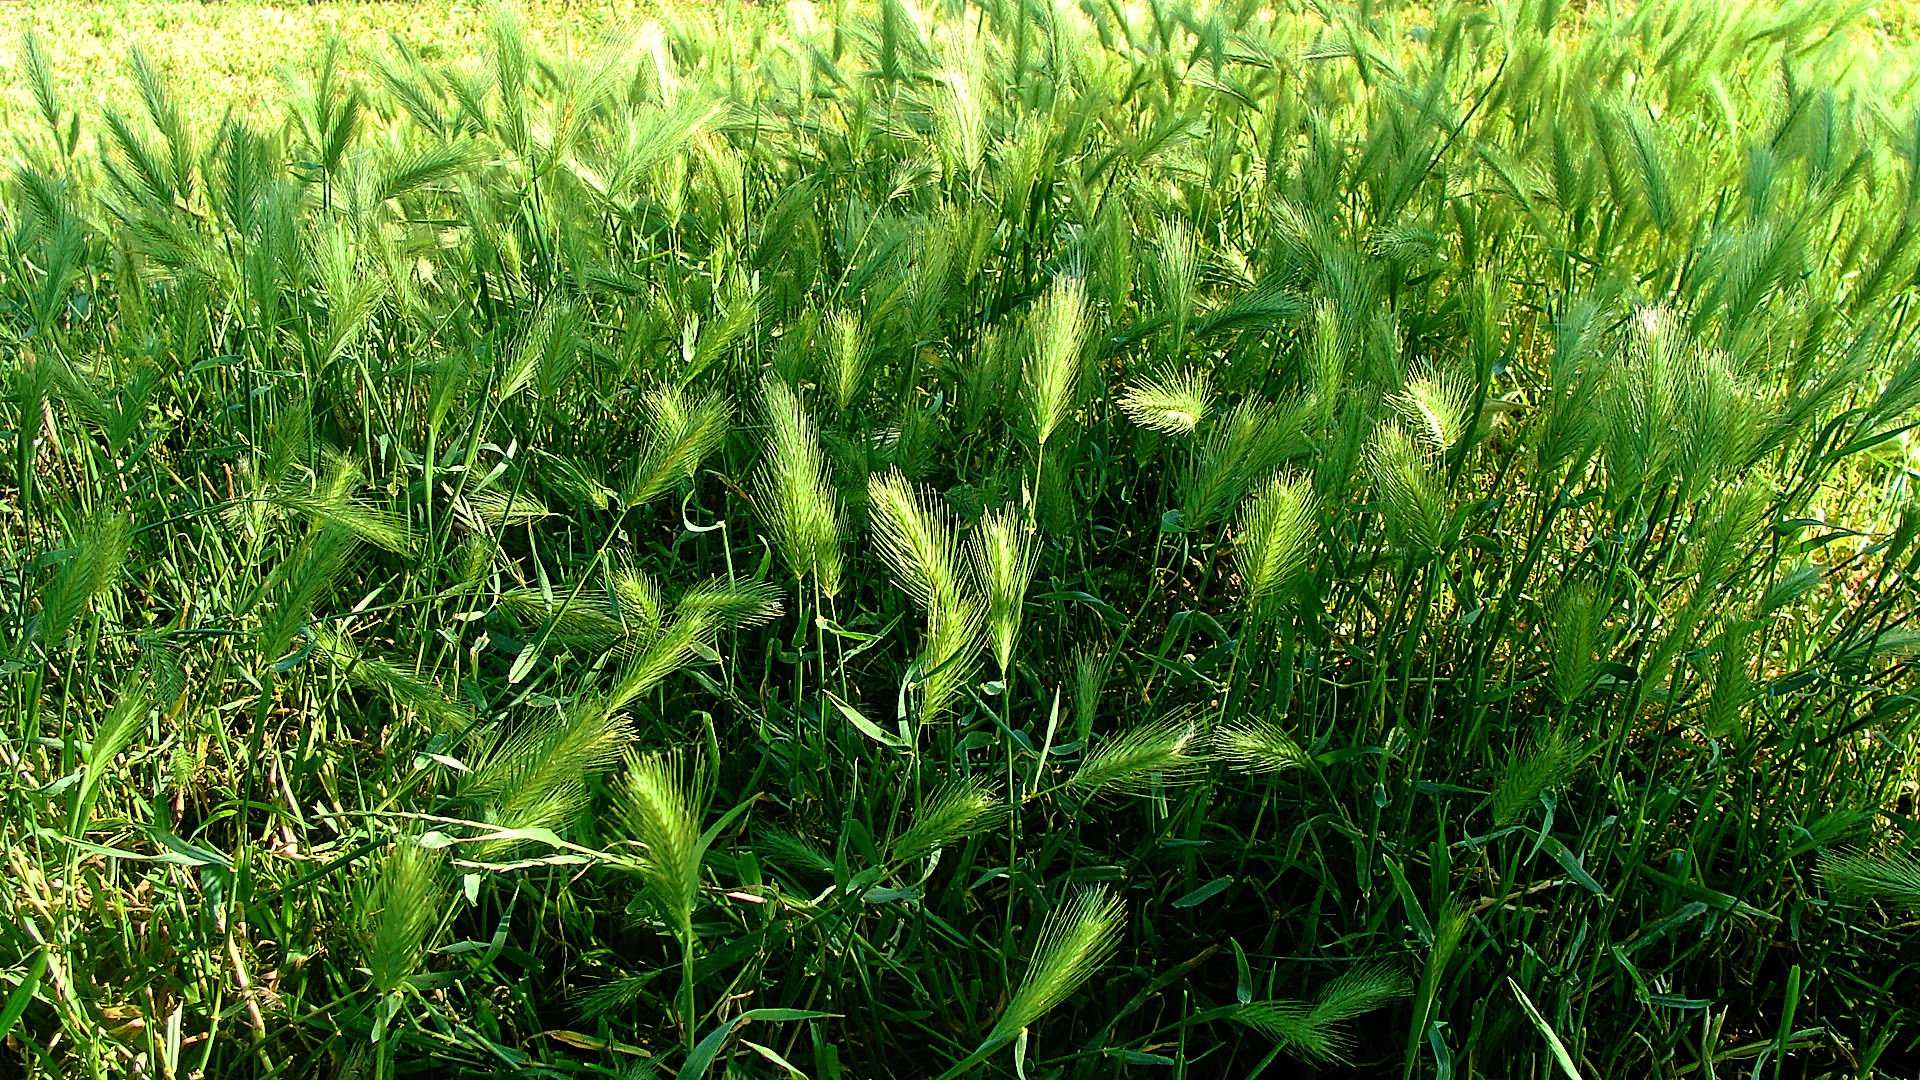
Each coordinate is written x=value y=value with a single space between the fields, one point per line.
x=1058 y=538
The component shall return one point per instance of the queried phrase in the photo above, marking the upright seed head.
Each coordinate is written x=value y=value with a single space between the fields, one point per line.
x=793 y=495
x=658 y=804
x=1058 y=326
x=1275 y=537
x=1003 y=557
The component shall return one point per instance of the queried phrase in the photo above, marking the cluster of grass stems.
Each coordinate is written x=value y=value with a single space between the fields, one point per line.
x=1069 y=538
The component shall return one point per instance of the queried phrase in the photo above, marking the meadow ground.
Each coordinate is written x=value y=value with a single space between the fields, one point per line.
x=235 y=54
x=985 y=537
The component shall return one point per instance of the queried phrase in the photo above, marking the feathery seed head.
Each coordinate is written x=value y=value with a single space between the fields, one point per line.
x=663 y=654
x=1316 y=1030
x=1238 y=451
x=732 y=603
x=1163 y=751
x=1894 y=877
x=958 y=809
x=1719 y=419
x=681 y=432
x=961 y=123
x=1089 y=679
x=1410 y=495
x=1260 y=746
x=1172 y=404
x=1730 y=522
x=658 y=804
x=951 y=655
x=917 y=539
x=846 y=356
x=1542 y=767
x=1176 y=273
x=1639 y=405
x=1058 y=328
x=1327 y=370
x=1275 y=537
x=1435 y=407
x=1728 y=704
x=86 y=576
x=399 y=902
x=637 y=600
x=918 y=542
x=793 y=495
x=535 y=778
x=1076 y=941
x=1575 y=628
x=1003 y=557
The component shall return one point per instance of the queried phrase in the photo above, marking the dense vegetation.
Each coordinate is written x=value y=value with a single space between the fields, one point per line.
x=1079 y=540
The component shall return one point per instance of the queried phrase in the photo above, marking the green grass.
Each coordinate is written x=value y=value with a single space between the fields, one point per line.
x=990 y=539
x=234 y=53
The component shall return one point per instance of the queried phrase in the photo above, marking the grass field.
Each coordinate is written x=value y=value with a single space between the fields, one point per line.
x=236 y=53
x=986 y=538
